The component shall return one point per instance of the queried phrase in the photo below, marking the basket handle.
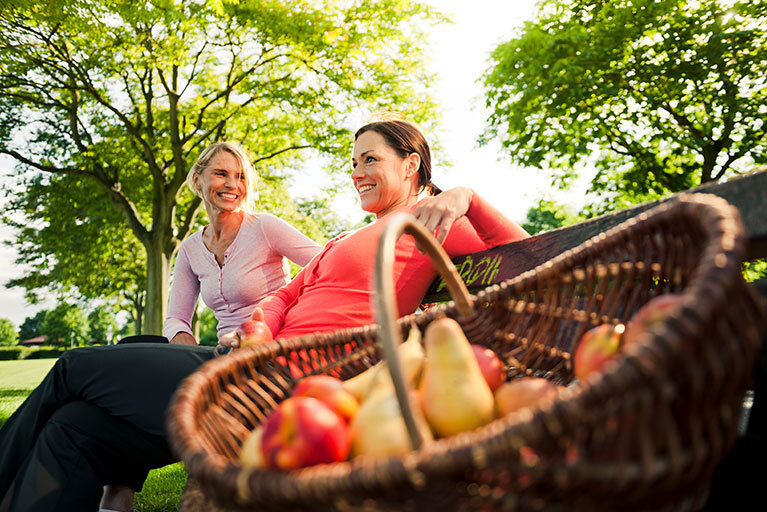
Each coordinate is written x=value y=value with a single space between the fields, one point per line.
x=403 y=223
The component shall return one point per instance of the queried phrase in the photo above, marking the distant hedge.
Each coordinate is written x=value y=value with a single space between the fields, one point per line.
x=21 y=352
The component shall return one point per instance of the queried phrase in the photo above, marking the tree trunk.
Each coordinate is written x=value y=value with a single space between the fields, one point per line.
x=157 y=277
x=710 y=154
x=138 y=315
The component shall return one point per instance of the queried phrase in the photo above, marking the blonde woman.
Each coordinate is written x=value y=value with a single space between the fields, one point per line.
x=96 y=422
x=237 y=259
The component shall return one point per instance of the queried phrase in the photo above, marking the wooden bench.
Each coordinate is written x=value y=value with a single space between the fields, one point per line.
x=748 y=193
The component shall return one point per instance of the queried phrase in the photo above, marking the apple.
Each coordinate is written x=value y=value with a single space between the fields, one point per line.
x=251 y=455
x=254 y=331
x=303 y=431
x=596 y=348
x=652 y=313
x=490 y=365
x=523 y=392
x=331 y=392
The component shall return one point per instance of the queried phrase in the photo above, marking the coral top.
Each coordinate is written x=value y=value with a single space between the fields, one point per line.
x=335 y=290
x=254 y=265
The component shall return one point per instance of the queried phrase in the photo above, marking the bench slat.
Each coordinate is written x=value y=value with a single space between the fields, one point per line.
x=748 y=193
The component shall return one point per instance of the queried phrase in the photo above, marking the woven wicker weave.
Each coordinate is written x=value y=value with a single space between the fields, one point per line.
x=644 y=435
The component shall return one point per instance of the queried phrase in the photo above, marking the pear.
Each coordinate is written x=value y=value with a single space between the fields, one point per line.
x=456 y=396
x=251 y=455
x=411 y=357
x=378 y=427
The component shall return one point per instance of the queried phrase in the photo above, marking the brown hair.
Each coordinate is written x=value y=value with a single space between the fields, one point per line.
x=405 y=138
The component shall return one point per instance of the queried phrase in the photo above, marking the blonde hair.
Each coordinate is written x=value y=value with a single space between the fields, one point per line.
x=239 y=153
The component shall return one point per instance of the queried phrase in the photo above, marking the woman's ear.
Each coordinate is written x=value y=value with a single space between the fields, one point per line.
x=196 y=182
x=412 y=163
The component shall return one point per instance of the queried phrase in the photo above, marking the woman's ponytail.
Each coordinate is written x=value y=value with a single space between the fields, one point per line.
x=432 y=189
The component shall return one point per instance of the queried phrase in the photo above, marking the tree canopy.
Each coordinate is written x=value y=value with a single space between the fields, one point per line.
x=124 y=95
x=73 y=244
x=65 y=325
x=8 y=334
x=102 y=326
x=30 y=327
x=658 y=95
x=548 y=215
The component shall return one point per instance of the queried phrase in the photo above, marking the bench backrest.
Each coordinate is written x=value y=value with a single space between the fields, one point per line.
x=748 y=193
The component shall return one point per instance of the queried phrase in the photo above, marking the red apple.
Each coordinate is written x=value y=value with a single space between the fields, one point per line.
x=491 y=366
x=524 y=392
x=655 y=311
x=302 y=432
x=331 y=392
x=255 y=331
x=596 y=348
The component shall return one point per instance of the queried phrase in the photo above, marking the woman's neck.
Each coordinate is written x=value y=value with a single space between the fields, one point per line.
x=406 y=203
x=223 y=224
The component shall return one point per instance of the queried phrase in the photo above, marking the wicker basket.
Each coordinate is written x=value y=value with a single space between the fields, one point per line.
x=644 y=435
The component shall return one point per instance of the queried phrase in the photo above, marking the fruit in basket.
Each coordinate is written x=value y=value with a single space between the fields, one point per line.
x=596 y=348
x=523 y=392
x=411 y=360
x=490 y=365
x=331 y=392
x=379 y=429
x=251 y=455
x=455 y=395
x=652 y=313
x=255 y=331
x=303 y=431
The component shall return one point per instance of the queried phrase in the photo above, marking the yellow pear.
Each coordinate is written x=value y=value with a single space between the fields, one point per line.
x=455 y=395
x=251 y=455
x=411 y=357
x=378 y=427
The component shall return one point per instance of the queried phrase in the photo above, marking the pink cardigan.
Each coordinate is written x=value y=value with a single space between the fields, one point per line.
x=253 y=267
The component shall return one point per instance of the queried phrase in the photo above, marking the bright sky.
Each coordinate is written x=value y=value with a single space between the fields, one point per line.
x=461 y=53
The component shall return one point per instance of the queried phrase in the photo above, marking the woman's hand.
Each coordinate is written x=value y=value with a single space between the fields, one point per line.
x=251 y=332
x=443 y=210
x=183 y=338
x=230 y=339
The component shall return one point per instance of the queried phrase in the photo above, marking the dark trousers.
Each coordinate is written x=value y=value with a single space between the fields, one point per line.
x=97 y=418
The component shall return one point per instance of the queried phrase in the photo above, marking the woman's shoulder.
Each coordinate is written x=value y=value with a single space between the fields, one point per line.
x=192 y=241
x=191 y=247
x=267 y=223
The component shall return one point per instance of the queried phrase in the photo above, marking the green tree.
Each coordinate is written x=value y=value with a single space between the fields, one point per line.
x=75 y=245
x=330 y=223
x=66 y=325
x=127 y=94
x=8 y=334
x=548 y=215
x=31 y=326
x=659 y=96
x=207 y=324
x=102 y=326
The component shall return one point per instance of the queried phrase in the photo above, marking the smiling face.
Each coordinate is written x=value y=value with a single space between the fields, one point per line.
x=384 y=180
x=222 y=184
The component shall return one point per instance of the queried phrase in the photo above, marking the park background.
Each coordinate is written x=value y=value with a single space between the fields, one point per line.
x=459 y=55
x=554 y=113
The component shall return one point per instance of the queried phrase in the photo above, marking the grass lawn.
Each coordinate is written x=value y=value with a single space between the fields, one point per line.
x=162 y=489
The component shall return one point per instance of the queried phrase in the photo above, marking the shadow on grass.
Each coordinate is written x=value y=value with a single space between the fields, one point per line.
x=14 y=393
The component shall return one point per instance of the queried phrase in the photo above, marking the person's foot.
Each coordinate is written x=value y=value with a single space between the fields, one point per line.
x=117 y=497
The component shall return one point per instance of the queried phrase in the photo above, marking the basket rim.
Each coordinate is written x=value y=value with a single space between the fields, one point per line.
x=723 y=234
